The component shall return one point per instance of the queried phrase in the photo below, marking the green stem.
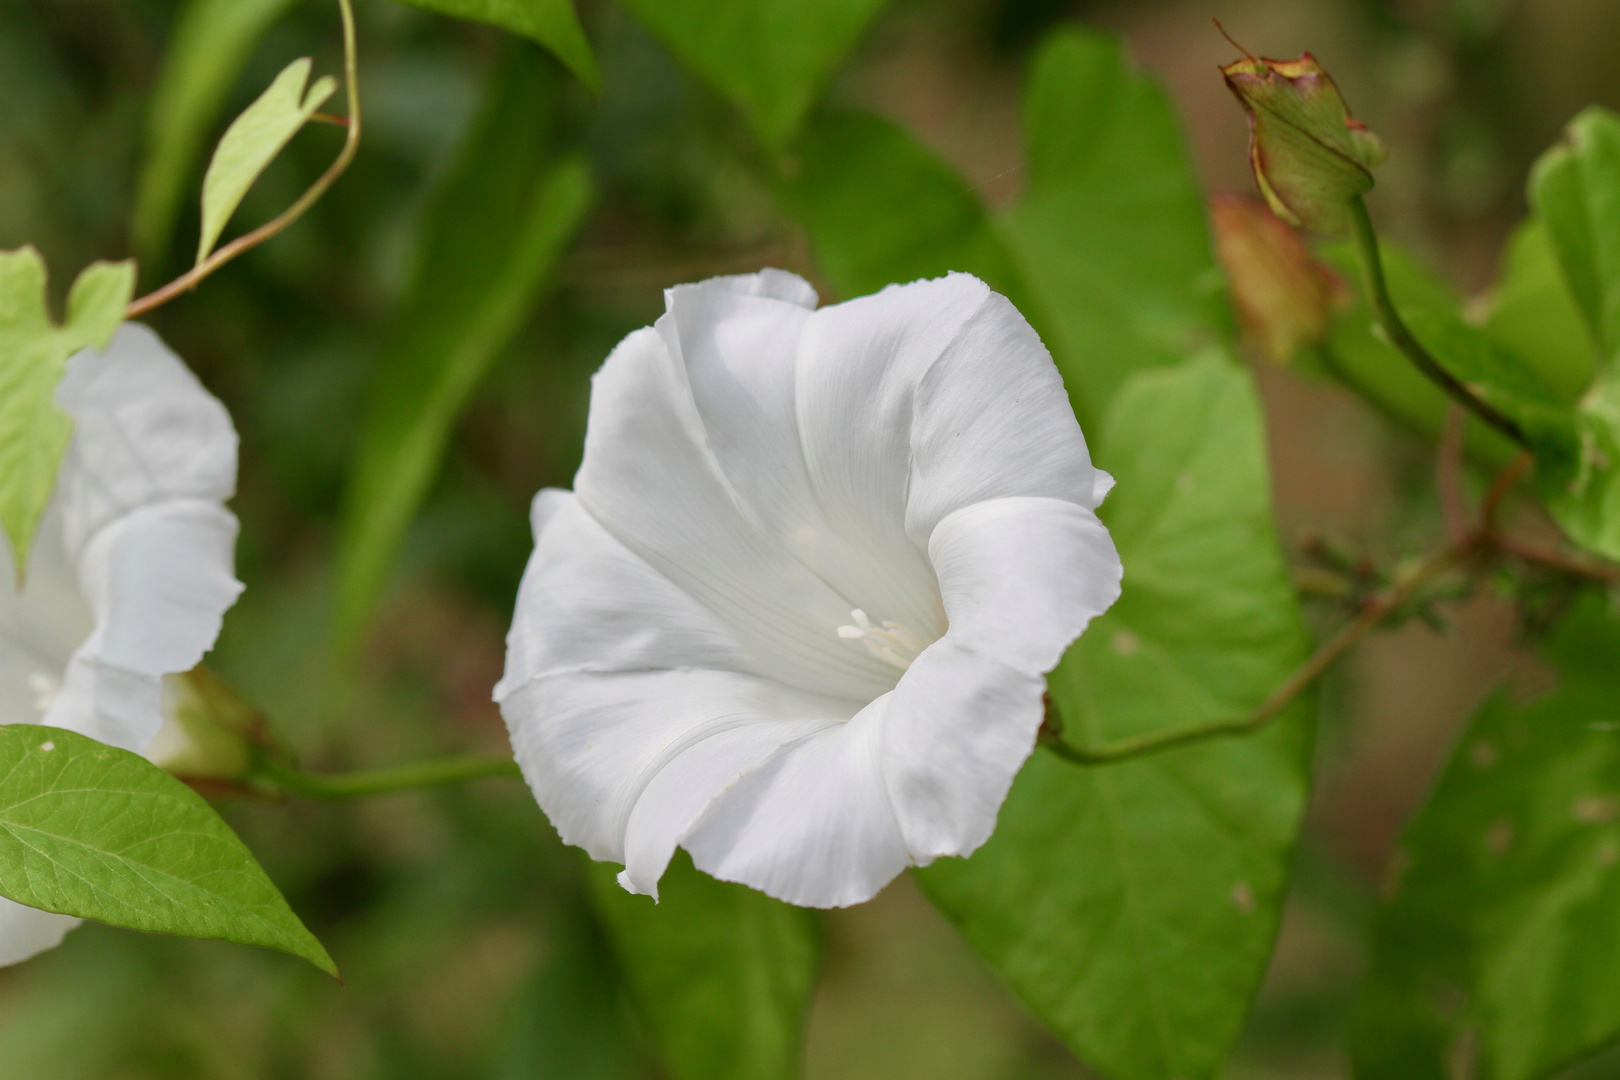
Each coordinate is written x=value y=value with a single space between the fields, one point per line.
x=1376 y=611
x=352 y=785
x=1372 y=268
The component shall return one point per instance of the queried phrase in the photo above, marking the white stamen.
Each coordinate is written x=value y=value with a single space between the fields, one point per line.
x=45 y=690
x=894 y=643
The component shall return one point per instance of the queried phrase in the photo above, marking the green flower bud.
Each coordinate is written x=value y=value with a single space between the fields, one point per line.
x=1309 y=157
x=208 y=734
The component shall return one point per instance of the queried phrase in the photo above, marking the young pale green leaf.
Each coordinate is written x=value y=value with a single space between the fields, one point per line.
x=34 y=433
x=1575 y=189
x=100 y=833
x=768 y=57
x=552 y=23
x=1133 y=906
x=1500 y=935
x=1533 y=315
x=1108 y=253
x=252 y=142
x=494 y=229
x=211 y=42
x=720 y=975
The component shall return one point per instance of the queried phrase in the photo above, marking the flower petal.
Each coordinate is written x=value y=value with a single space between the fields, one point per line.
x=137 y=516
x=956 y=730
x=591 y=743
x=159 y=581
x=650 y=479
x=931 y=396
x=40 y=626
x=676 y=798
x=1021 y=577
x=588 y=604
x=145 y=431
x=811 y=825
x=26 y=931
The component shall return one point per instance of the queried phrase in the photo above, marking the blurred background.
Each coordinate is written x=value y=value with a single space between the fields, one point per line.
x=452 y=912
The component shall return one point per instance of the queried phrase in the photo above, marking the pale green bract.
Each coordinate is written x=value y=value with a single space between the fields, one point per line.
x=95 y=832
x=1575 y=189
x=1533 y=315
x=252 y=142
x=34 y=433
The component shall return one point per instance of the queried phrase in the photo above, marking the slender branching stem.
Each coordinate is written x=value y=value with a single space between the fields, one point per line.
x=1374 y=612
x=351 y=142
x=1475 y=548
x=1500 y=487
x=1448 y=473
x=1563 y=562
x=291 y=781
x=1372 y=267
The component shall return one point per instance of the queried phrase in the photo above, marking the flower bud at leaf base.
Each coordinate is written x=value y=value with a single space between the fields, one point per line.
x=1309 y=157
x=208 y=734
x=1285 y=298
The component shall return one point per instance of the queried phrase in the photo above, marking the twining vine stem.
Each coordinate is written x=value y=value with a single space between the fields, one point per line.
x=1372 y=267
x=1376 y=611
x=1479 y=547
x=351 y=142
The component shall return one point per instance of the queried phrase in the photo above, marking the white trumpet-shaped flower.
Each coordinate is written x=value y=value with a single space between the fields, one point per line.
x=797 y=613
x=130 y=571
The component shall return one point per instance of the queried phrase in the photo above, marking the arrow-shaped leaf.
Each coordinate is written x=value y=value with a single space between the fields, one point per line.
x=252 y=142
x=34 y=433
x=100 y=833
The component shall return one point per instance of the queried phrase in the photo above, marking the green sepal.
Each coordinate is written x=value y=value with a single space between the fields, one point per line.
x=1309 y=157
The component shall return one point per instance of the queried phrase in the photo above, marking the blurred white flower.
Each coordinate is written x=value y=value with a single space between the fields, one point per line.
x=131 y=570
x=796 y=615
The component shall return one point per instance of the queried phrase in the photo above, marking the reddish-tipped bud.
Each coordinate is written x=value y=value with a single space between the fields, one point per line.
x=1284 y=297
x=1309 y=157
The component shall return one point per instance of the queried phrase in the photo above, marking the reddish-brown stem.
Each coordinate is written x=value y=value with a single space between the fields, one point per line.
x=1553 y=559
x=1500 y=487
x=1448 y=473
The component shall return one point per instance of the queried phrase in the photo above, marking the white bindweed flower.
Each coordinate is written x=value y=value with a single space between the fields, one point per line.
x=797 y=613
x=131 y=570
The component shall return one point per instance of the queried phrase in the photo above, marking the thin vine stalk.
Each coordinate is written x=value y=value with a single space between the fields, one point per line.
x=1372 y=267
x=352 y=785
x=247 y=241
x=1375 y=612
